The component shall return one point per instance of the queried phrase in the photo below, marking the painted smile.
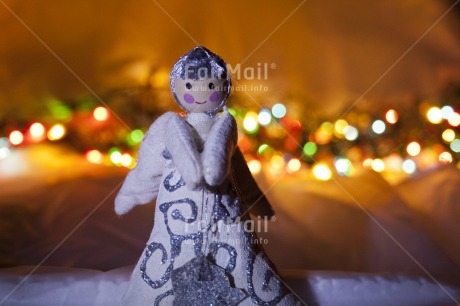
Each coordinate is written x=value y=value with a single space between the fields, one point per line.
x=200 y=102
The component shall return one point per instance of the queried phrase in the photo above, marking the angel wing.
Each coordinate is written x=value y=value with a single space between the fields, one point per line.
x=142 y=183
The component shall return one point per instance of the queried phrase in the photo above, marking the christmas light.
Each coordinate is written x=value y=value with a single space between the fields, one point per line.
x=95 y=157
x=446 y=111
x=378 y=127
x=279 y=110
x=413 y=148
x=409 y=166
x=448 y=135
x=59 y=110
x=343 y=166
x=264 y=117
x=351 y=133
x=367 y=163
x=115 y=157
x=263 y=148
x=434 y=115
x=254 y=166
x=37 y=131
x=340 y=126
x=4 y=148
x=454 y=119
x=378 y=165
x=135 y=137
x=277 y=162
x=322 y=172
x=101 y=113
x=250 y=124
x=293 y=165
x=391 y=116
x=126 y=160
x=16 y=138
x=310 y=148
x=56 y=132
x=455 y=145
x=445 y=157
x=323 y=135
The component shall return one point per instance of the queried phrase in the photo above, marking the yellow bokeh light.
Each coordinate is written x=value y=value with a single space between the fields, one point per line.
x=277 y=162
x=116 y=157
x=56 y=132
x=413 y=148
x=37 y=130
x=378 y=165
x=95 y=157
x=454 y=119
x=391 y=116
x=293 y=165
x=445 y=157
x=254 y=166
x=434 y=115
x=16 y=138
x=101 y=113
x=448 y=135
x=367 y=163
x=322 y=172
x=340 y=126
x=126 y=160
x=250 y=122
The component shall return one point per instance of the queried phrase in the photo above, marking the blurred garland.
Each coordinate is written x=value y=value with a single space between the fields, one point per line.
x=421 y=135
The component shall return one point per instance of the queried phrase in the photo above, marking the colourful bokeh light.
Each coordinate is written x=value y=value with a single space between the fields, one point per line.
x=95 y=157
x=409 y=166
x=293 y=165
x=135 y=137
x=343 y=166
x=454 y=119
x=101 y=113
x=351 y=133
x=455 y=145
x=448 y=135
x=378 y=165
x=378 y=126
x=310 y=148
x=56 y=132
x=446 y=111
x=250 y=123
x=391 y=116
x=264 y=117
x=413 y=148
x=322 y=172
x=434 y=115
x=126 y=160
x=37 y=131
x=16 y=138
x=254 y=166
x=279 y=110
x=445 y=157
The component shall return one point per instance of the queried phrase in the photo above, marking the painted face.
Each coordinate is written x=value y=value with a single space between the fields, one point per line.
x=202 y=95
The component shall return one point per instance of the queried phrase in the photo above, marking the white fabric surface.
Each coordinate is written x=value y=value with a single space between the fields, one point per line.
x=317 y=227
x=50 y=286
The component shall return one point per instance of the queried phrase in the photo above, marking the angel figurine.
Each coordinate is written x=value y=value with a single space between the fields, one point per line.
x=199 y=252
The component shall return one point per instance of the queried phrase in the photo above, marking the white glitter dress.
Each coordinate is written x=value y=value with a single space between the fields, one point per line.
x=199 y=226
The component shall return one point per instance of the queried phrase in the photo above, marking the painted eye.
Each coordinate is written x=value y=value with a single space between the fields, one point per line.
x=211 y=86
x=188 y=86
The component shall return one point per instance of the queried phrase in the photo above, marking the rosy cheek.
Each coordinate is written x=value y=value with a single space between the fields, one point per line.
x=189 y=98
x=214 y=97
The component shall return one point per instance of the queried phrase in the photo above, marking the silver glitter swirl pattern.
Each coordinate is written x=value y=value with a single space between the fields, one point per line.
x=162 y=296
x=172 y=187
x=148 y=253
x=214 y=248
x=250 y=260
